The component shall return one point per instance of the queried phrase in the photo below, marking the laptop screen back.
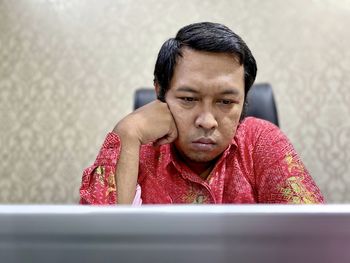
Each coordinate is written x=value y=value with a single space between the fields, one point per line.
x=232 y=233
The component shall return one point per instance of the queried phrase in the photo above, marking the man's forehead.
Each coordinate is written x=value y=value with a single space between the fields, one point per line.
x=186 y=51
x=208 y=72
x=224 y=90
x=207 y=64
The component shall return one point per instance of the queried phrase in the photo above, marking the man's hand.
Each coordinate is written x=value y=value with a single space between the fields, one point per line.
x=150 y=123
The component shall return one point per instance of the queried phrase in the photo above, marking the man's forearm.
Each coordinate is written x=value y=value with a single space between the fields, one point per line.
x=127 y=170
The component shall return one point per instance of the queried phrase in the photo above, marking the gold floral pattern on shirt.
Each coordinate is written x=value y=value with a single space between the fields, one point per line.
x=294 y=189
x=293 y=165
x=111 y=184
x=100 y=172
x=295 y=192
x=195 y=197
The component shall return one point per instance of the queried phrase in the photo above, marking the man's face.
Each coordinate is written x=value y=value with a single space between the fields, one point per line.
x=206 y=97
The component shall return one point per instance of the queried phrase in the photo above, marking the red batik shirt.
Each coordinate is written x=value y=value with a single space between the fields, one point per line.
x=259 y=166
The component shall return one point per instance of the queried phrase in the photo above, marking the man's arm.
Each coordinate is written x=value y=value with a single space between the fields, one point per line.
x=98 y=181
x=128 y=166
x=150 y=123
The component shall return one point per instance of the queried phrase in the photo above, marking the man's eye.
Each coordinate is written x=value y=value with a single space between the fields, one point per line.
x=225 y=102
x=187 y=99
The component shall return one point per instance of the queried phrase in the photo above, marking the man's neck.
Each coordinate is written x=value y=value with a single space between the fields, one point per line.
x=202 y=169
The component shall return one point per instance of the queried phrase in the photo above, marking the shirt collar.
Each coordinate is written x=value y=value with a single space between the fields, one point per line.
x=171 y=156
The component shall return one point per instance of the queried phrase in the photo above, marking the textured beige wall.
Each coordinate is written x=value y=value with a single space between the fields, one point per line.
x=68 y=70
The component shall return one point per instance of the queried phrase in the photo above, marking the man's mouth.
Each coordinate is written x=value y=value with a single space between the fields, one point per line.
x=203 y=144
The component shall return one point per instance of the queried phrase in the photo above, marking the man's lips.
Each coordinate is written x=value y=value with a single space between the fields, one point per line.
x=203 y=144
x=204 y=141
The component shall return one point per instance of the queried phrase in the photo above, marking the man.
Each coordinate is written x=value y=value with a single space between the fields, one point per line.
x=193 y=145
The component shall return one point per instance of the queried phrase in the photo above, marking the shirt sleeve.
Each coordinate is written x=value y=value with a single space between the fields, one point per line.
x=98 y=185
x=281 y=177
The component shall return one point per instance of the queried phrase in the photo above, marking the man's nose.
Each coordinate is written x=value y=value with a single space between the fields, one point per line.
x=206 y=120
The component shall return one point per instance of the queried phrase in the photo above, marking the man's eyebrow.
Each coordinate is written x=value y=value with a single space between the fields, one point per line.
x=187 y=89
x=230 y=91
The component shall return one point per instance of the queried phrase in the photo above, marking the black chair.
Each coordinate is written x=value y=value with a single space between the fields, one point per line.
x=260 y=100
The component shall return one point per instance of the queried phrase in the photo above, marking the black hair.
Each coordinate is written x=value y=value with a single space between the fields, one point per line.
x=205 y=36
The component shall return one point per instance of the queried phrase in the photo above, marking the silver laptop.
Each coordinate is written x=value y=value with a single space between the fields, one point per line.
x=221 y=233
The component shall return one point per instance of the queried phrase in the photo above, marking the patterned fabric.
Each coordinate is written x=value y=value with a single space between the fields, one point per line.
x=259 y=166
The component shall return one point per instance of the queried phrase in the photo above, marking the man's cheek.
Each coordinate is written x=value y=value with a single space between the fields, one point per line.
x=178 y=116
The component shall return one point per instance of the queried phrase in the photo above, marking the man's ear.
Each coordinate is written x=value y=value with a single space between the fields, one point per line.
x=156 y=87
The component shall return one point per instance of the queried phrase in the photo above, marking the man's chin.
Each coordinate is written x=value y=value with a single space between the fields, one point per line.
x=200 y=157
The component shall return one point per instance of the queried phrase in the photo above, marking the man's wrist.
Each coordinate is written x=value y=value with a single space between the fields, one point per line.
x=128 y=135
